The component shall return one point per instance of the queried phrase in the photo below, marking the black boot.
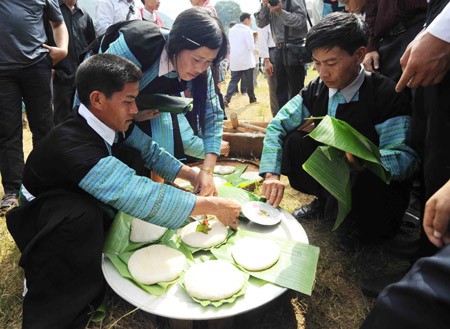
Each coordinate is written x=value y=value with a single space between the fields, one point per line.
x=314 y=210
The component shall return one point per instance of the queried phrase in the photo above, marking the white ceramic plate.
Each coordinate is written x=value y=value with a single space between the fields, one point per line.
x=261 y=213
x=177 y=304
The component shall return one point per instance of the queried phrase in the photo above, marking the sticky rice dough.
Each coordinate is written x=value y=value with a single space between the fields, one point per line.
x=156 y=263
x=213 y=280
x=224 y=170
x=215 y=236
x=145 y=232
x=255 y=254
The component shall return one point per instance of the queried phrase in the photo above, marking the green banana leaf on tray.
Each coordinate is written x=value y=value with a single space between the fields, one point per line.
x=328 y=166
x=164 y=103
x=295 y=269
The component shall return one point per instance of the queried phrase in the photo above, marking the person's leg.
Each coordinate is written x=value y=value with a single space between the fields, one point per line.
x=11 y=153
x=62 y=102
x=420 y=300
x=249 y=84
x=281 y=78
x=61 y=261
x=35 y=83
x=296 y=79
x=272 y=82
x=232 y=86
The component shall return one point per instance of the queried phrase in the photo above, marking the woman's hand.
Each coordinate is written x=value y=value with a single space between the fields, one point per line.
x=273 y=189
x=145 y=115
x=204 y=183
x=224 y=148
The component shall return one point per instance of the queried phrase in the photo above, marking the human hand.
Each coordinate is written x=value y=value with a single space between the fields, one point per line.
x=273 y=189
x=425 y=62
x=355 y=162
x=265 y=3
x=204 y=183
x=437 y=217
x=371 y=61
x=227 y=211
x=224 y=148
x=145 y=115
x=56 y=53
x=268 y=67
x=276 y=9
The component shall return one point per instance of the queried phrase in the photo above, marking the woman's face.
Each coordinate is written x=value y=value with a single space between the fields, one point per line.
x=354 y=6
x=191 y=63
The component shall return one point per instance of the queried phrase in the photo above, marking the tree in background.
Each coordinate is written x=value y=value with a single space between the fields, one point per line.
x=228 y=11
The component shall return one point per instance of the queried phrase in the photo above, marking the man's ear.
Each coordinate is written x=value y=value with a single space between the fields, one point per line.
x=360 y=53
x=96 y=100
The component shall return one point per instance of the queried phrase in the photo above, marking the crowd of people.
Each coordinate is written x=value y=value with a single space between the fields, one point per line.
x=383 y=67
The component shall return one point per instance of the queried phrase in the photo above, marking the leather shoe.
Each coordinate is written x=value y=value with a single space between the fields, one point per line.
x=373 y=287
x=314 y=210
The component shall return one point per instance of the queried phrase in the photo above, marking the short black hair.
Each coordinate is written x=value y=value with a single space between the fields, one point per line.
x=343 y=30
x=244 y=16
x=106 y=73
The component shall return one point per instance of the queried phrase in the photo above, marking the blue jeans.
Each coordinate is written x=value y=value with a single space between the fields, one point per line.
x=32 y=84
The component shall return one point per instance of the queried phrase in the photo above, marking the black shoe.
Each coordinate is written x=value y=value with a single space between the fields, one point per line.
x=253 y=100
x=373 y=287
x=350 y=243
x=226 y=102
x=314 y=210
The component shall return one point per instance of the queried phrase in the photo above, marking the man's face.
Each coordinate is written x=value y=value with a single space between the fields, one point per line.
x=197 y=3
x=336 y=67
x=152 y=5
x=354 y=6
x=191 y=63
x=247 y=21
x=118 y=110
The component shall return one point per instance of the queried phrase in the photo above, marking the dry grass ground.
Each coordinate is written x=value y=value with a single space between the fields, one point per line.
x=336 y=302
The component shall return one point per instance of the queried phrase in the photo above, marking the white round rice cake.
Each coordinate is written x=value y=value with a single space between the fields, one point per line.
x=255 y=254
x=156 y=263
x=215 y=236
x=252 y=175
x=213 y=280
x=145 y=232
x=224 y=170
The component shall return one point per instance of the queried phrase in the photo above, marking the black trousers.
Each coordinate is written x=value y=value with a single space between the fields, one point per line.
x=420 y=300
x=32 y=84
x=392 y=48
x=61 y=236
x=377 y=208
x=246 y=78
x=290 y=79
x=63 y=95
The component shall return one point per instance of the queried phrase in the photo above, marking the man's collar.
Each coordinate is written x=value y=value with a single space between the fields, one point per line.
x=350 y=91
x=108 y=134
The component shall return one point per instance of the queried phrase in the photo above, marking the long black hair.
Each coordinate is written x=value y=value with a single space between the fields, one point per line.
x=194 y=28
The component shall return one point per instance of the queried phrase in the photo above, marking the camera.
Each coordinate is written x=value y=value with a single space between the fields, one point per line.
x=273 y=3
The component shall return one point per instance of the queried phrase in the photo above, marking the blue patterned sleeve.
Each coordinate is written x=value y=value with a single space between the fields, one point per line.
x=115 y=184
x=212 y=136
x=399 y=158
x=156 y=158
x=289 y=118
x=192 y=144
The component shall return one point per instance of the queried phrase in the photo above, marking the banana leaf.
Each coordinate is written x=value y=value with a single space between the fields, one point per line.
x=164 y=103
x=328 y=166
x=237 y=194
x=295 y=269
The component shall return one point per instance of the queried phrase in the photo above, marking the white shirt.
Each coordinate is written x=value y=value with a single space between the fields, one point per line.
x=242 y=47
x=440 y=27
x=113 y=11
x=265 y=41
